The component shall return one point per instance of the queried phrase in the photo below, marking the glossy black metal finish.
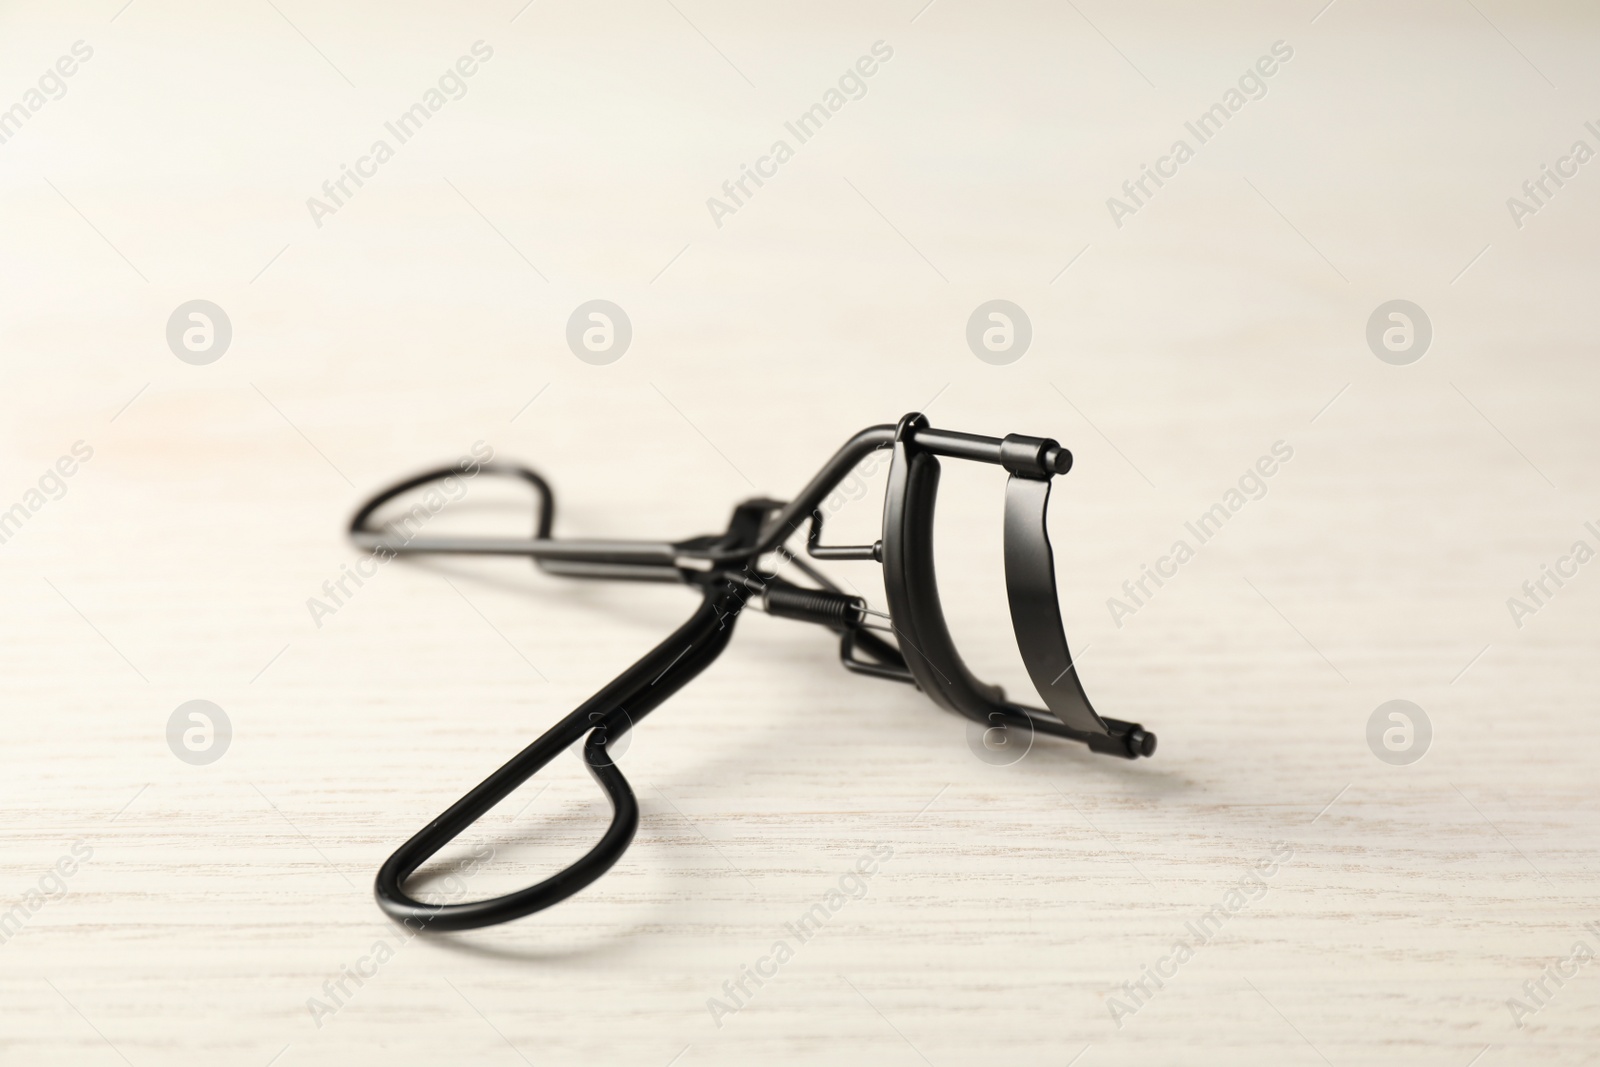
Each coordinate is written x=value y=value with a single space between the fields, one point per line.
x=605 y=717
x=913 y=592
x=1036 y=618
x=727 y=570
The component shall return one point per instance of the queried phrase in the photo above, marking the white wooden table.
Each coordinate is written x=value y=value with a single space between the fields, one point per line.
x=163 y=912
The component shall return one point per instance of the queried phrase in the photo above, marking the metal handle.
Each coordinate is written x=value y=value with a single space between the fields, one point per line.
x=607 y=715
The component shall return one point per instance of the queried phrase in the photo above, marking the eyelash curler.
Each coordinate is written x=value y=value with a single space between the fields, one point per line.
x=725 y=569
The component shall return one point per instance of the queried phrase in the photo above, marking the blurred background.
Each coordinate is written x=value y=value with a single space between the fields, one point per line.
x=213 y=351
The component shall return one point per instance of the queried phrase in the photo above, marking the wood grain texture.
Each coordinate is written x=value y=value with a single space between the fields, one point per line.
x=218 y=905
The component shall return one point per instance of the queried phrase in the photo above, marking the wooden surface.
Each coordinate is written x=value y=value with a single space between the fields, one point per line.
x=215 y=907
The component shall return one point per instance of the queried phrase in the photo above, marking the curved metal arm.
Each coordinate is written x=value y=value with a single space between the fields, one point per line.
x=605 y=716
x=1036 y=618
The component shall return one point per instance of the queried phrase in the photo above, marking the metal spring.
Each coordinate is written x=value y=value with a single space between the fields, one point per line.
x=813 y=605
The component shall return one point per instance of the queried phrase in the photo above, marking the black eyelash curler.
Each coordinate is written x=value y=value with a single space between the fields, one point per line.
x=725 y=568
